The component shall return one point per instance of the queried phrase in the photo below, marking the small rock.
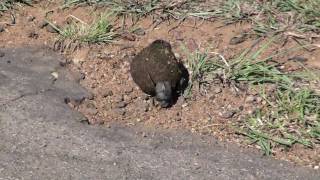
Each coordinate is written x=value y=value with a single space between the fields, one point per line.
x=51 y=29
x=2 y=54
x=217 y=90
x=90 y=105
x=184 y=105
x=90 y=96
x=33 y=34
x=238 y=39
x=298 y=58
x=228 y=114
x=177 y=55
x=119 y=98
x=251 y=111
x=120 y=111
x=259 y=99
x=128 y=90
x=108 y=93
x=178 y=118
x=127 y=98
x=128 y=36
x=316 y=167
x=121 y=104
x=250 y=99
x=78 y=76
x=83 y=119
x=145 y=97
x=30 y=18
x=1 y=28
x=43 y=24
x=139 y=32
x=146 y=107
x=91 y=109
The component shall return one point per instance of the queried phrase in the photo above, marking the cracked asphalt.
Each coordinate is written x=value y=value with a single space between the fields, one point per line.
x=42 y=138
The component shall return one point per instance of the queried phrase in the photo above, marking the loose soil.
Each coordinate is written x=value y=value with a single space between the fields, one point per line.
x=104 y=70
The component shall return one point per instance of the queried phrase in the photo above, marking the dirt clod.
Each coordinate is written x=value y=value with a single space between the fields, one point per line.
x=43 y=24
x=238 y=39
x=51 y=29
x=33 y=34
x=91 y=108
x=228 y=114
x=30 y=18
x=139 y=32
x=107 y=93
x=120 y=111
x=2 y=28
x=121 y=104
x=217 y=90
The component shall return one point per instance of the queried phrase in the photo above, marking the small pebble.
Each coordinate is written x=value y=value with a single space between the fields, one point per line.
x=30 y=18
x=120 y=111
x=90 y=96
x=128 y=36
x=217 y=90
x=107 y=93
x=127 y=98
x=237 y=39
x=139 y=32
x=298 y=58
x=2 y=54
x=43 y=24
x=128 y=90
x=92 y=110
x=258 y=99
x=51 y=29
x=185 y=105
x=250 y=99
x=1 y=28
x=121 y=104
x=228 y=114
x=119 y=98
x=33 y=34
x=146 y=107
x=145 y=97
x=177 y=118
x=316 y=167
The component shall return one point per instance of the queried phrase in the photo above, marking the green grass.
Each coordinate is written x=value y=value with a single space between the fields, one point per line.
x=200 y=66
x=99 y=31
x=160 y=9
x=272 y=17
x=291 y=113
x=267 y=17
x=8 y=4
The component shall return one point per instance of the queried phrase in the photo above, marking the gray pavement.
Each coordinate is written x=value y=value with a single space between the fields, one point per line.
x=42 y=138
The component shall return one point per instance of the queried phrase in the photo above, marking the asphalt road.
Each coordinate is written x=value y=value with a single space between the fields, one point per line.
x=42 y=138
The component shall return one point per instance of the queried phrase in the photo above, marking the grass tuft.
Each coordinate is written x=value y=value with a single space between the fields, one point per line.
x=291 y=112
x=6 y=5
x=200 y=66
x=100 y=31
